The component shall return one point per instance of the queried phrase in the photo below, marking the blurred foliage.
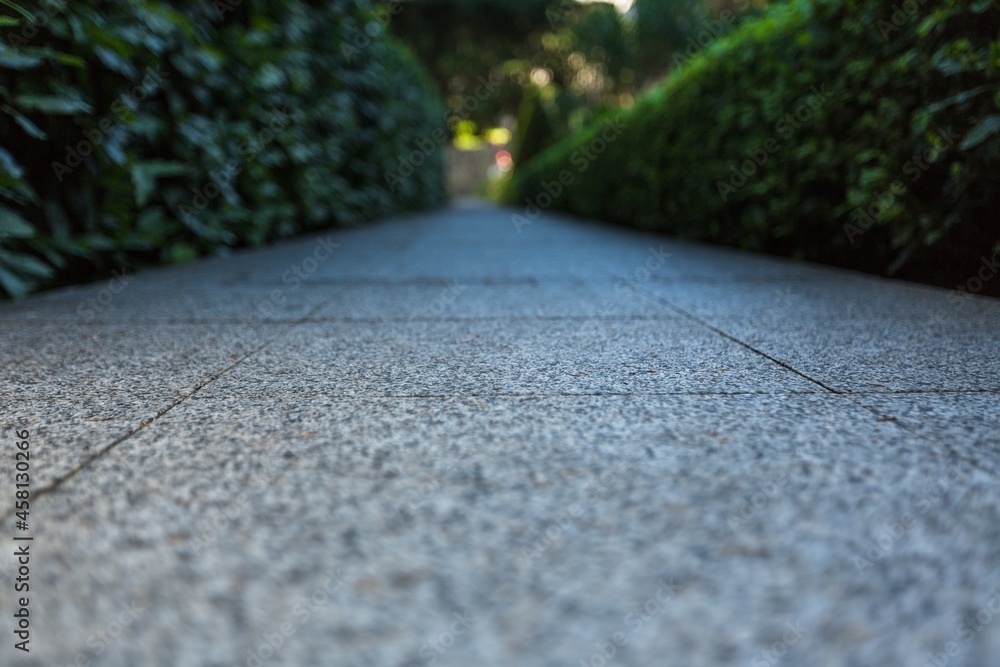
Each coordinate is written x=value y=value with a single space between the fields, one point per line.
x=669 y=32
x=575 y=59
x=140 y=131
x=535 y=126
x=880 y=132
x=584 y=48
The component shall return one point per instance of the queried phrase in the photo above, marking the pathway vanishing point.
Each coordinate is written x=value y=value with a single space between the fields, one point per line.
x=443 y=440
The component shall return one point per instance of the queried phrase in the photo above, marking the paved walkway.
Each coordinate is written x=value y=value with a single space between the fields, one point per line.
x=439 y=440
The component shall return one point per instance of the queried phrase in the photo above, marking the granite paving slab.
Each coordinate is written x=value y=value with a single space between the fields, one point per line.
x=450 y=440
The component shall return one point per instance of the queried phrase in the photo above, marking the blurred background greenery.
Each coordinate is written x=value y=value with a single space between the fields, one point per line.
x=561 y=62
x=856 y=132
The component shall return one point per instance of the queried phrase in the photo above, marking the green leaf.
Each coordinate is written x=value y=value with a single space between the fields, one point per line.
x=114 y=62
x=25 y=264
x=13 y=225
x=69 y=59
x=13 y=285
x=13 y=60
x=52 y=255
x=26 y=124
x=986 y=128
x=58 y=224
x=54 y=105
x=958 y=99
x=18 y=8
x=181 y=252
x=9 y=164
x=145 y=174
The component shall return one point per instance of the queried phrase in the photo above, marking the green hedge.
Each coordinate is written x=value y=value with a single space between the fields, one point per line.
x=867 y=134
x=138 y=131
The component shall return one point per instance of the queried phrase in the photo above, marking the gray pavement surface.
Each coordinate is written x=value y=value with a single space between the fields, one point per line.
x=438 y=440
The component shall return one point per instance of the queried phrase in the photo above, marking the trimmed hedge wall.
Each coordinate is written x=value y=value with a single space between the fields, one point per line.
x=146 y=131
x=853 y=132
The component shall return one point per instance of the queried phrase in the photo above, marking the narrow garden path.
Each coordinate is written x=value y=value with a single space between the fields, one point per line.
x=451 y=439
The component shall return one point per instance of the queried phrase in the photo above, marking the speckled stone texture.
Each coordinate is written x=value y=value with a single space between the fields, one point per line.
x=439 y=440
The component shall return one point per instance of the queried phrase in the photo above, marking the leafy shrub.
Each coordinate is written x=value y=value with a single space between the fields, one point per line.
x=668 y=32
x=534 y=126
x=153 y=131
x=853 y=132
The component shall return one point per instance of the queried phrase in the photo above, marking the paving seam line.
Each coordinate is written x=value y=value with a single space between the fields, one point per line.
x=680 y=311
x=368 y=320
x=952 y=453
x=54 y=485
